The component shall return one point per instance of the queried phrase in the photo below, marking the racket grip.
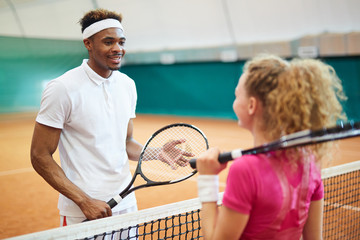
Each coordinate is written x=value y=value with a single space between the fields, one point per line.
x=112 y=203
x=225 y=157
x=193 y=163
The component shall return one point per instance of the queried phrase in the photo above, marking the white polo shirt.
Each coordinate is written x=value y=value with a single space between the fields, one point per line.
x=93 y=113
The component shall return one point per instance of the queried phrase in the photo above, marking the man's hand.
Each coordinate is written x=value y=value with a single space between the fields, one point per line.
x=95 y=209
x=173 y=156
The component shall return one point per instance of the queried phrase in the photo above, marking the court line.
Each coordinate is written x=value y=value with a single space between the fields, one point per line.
x=338 y=205
x=26 y=170
x=132 y=167
x=16 y=171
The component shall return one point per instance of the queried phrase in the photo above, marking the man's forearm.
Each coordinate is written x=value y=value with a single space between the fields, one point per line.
x=133 y=149
x=54 y=175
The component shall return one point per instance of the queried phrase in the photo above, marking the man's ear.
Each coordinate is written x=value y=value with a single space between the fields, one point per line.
x=252 y=106
x=87 y=43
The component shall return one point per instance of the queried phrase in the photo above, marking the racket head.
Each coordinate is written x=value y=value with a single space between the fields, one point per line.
x=157 y=171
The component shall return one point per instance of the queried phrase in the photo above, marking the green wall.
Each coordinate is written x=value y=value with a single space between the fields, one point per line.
x=26 y=64
x=348 y=70
x=193 y=89
x=199 y=89
x=207 y=89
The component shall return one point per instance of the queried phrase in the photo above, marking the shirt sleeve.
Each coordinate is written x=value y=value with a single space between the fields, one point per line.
x=240 y=189
x=133 y=100
x=318 y=185
x=55 y=105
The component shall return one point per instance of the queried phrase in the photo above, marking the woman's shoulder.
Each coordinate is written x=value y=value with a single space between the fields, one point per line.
x=249 y=160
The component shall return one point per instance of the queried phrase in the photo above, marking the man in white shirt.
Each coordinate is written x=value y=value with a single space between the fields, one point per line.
x=88 y=113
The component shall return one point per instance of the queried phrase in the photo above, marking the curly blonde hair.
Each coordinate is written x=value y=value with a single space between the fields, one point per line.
x=296 y=95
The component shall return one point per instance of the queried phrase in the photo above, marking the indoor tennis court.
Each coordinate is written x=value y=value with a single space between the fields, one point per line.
x=186 y=66
x=35 y=202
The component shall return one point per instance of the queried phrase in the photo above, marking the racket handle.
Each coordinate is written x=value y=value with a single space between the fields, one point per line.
x=117 y=199
x=112 y=203
x=223 y=158
x=193 y=163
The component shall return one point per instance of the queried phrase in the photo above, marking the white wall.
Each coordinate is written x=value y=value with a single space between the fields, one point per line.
x=175 y=24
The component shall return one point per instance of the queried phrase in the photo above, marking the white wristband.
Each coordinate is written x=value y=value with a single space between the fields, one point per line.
x=208 y=188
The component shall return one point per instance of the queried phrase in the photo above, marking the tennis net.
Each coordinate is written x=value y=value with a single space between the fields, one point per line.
x=342 y=202
x=181 y=220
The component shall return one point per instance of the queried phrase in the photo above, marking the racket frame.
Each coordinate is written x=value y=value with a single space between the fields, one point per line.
x=297 y=139
x=149 y=183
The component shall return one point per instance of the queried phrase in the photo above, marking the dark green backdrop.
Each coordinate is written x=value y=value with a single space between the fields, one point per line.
x=196 y=89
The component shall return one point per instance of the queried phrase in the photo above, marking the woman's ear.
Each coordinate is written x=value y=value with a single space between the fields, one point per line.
x=252 y=105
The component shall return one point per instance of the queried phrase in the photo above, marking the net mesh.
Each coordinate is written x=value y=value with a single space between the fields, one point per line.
x=181 y=220
x=179 y=226
x=342 y=202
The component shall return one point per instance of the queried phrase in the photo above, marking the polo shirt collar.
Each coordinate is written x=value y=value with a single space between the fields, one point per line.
x=96 y=78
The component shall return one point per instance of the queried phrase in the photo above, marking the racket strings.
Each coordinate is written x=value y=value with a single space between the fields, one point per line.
x=170 y=151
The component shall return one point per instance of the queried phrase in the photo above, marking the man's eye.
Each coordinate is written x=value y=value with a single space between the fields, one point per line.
x=108 y=43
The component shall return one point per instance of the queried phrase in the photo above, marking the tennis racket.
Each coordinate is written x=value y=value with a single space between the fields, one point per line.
x=302 y=138
x=165 y=157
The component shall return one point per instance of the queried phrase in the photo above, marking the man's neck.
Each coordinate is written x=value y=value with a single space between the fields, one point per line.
x=102 y=73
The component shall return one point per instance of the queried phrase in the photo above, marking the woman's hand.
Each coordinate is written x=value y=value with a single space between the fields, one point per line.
x=207 y=163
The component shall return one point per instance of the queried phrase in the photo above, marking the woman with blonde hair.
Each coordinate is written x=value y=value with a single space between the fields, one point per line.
x=277 y=195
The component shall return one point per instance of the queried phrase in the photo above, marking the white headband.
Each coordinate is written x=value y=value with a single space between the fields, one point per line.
x=101 y=25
